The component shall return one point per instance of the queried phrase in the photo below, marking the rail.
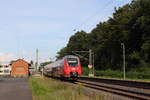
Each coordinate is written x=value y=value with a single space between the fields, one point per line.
x=133 y=89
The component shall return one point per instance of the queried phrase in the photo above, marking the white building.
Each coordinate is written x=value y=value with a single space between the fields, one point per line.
x=5 y=69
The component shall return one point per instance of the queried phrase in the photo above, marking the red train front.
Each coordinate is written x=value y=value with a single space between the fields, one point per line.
x=72 y=66
x=69 y=66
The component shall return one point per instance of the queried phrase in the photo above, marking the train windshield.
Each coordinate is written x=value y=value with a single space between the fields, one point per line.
x=72 y=61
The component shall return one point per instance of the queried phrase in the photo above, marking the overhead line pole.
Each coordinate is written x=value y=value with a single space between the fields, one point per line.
x=91 y=55
x=124 y=62
x=80 y=55
x=37 y=51
x=93 y=64
x=90 y=60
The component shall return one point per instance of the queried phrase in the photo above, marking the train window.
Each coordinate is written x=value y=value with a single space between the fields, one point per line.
x=72 y=62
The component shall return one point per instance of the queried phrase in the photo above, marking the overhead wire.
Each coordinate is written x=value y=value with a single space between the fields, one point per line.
x=97 y=12
x=103 y=10
x=94 y=15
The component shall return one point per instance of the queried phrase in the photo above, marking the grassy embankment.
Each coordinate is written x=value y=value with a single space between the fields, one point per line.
x=130 y=75
x=48 y=89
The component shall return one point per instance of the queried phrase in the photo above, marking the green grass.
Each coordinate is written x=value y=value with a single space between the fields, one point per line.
x=48 y=89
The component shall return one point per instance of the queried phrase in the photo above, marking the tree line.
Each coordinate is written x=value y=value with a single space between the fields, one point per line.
x=130 y=25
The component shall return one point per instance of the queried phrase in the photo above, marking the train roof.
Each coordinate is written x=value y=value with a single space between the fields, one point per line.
x=70 y=56
x=60 y=60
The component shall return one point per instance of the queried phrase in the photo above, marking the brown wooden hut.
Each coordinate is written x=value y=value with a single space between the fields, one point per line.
x=20 y=68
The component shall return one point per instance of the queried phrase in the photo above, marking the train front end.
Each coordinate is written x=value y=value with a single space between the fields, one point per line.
x=72 y=67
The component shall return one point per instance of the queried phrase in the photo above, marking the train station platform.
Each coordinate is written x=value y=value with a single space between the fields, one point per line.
x=15 y=89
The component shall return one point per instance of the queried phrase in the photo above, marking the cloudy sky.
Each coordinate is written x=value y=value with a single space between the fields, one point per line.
x=47 y=24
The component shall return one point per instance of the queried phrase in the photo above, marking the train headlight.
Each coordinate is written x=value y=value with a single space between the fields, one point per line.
x=73 y=68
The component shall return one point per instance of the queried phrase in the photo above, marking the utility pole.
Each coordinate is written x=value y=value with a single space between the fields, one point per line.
x=90 y=56
x=42 y=72
x=37 y=51
x=93 y=64
x=90 y=63
x=124 y=63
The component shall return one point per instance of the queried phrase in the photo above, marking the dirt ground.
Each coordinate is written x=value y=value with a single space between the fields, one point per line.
x=15 y=89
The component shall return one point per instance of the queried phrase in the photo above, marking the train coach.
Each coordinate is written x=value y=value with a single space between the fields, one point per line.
x=67 y=67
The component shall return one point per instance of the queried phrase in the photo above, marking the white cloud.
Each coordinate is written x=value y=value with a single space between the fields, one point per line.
x=6 y=58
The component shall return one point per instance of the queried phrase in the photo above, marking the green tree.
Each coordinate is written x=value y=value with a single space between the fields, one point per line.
x=130 y=25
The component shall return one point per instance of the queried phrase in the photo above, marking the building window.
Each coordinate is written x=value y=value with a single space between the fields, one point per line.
x=6 y=66
x=6 y=71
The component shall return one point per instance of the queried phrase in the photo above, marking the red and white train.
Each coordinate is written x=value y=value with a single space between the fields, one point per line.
x=67 y=67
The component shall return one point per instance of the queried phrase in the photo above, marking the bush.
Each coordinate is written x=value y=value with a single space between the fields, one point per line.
x=85 y=70
x=145 y=74
x=109 y=73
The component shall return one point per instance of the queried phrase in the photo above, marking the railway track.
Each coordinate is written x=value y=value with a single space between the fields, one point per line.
x=133 y=89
